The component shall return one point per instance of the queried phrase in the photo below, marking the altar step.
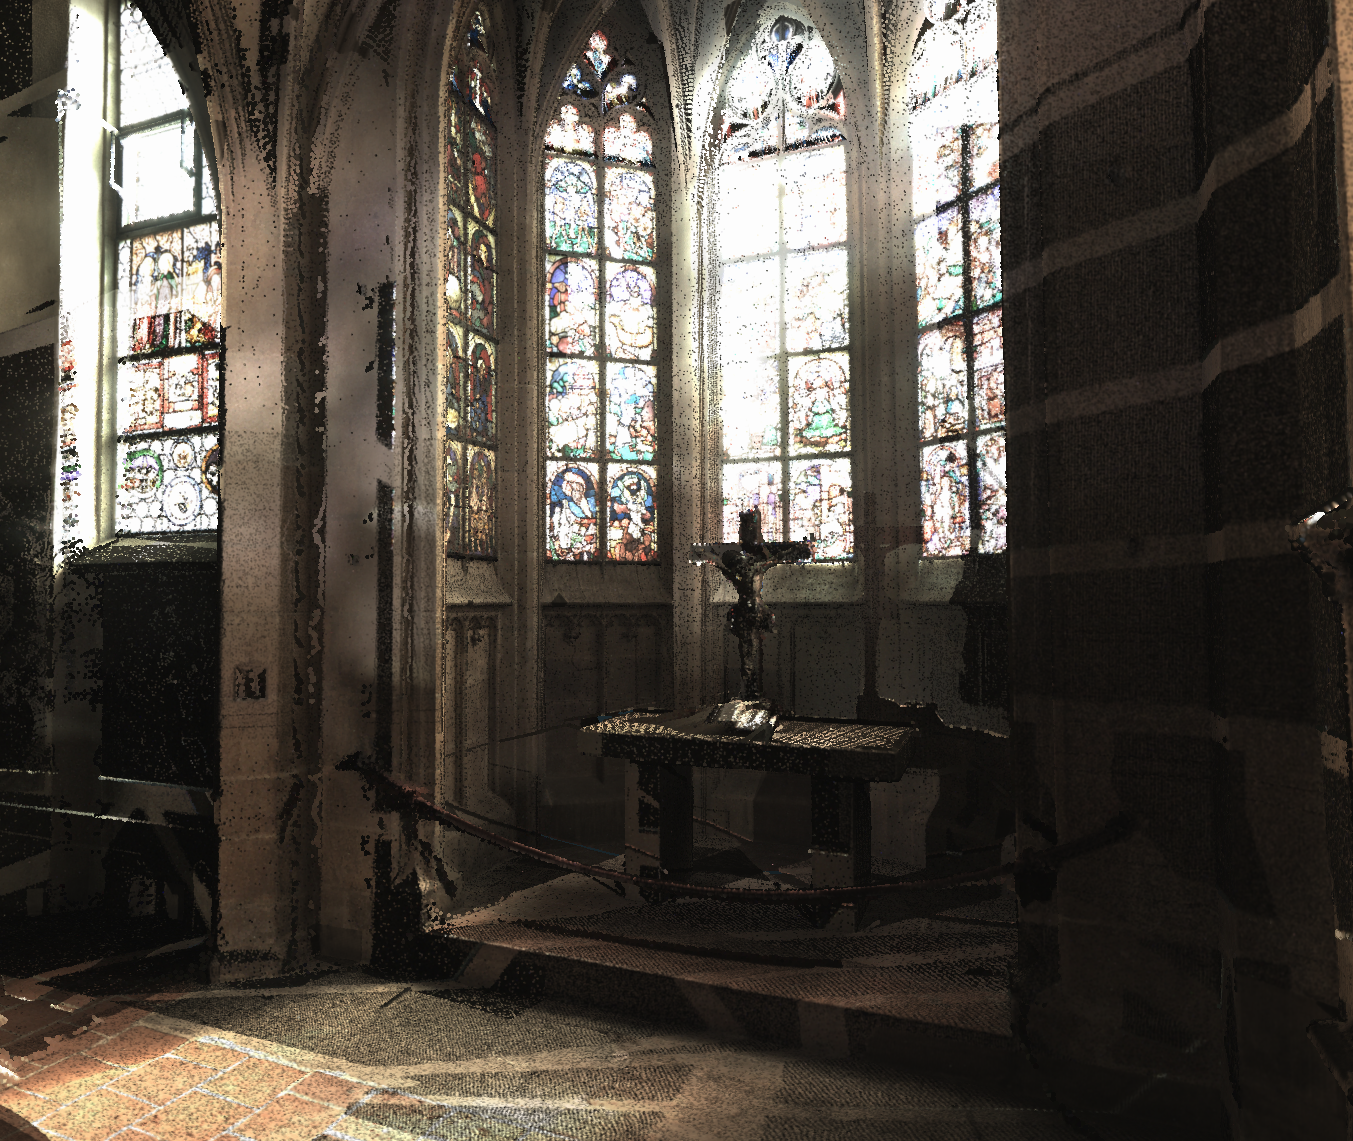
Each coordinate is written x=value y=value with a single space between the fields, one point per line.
x=928 y=990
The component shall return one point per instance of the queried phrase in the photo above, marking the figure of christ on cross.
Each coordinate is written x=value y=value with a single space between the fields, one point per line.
x=744 y=564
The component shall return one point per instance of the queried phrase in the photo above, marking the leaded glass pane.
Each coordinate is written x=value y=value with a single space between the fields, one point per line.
x=816 y=297
x=632 y=530
x=148 y=85
x=571 y=402
x=939 y=266
x=481 y=491
x=596 y=53
x=821 y=506
x=751 y=485
x=944 y=499
x=620 y=91
x=986 y=248
x=747 y=223
x=819 y=404
x=455 y=370
x=571 y=525
x=479 y=393
x=570 y=206
x=482 y=171
x=815 y=198
x=578 y=83
x=749 y=302
x=571 y=305
x=452 y=506
x=480 y=92
x=986 y=154
x=750 y=410
x=629 y=215
x=453 y=250
x=202 y=284
x=937 y=167
x=991 y=490
x=943 y=379
x=483 y=279
x=570 y=134
x=477 y=35
x=630 y=317
x=154 y=181
x=625 y=142
x=168 y=483
x=631 y=412
x=140 y=387
x=153 y=298
x=989 y=363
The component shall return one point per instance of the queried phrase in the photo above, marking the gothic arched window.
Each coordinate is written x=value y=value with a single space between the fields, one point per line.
x=961 y=377
x=784 y=312
x=601 y=316
x=469 y=299
x=169 y=300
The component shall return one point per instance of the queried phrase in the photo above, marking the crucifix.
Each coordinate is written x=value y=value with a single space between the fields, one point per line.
x=744 y=564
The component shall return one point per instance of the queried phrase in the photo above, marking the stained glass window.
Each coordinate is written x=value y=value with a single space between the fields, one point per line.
x=469 y=366
x=784 y=314
x=961 y=377
x=601 y=308
x=168 y=324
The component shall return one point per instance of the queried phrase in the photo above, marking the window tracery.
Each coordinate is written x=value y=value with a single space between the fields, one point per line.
x=470 y=330
x=601 y=316
x=961 y=379
x=784 y=315
x=168 y=306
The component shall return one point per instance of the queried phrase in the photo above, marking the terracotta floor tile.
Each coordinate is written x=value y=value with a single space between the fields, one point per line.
x=255 y=1082
x=70 y=1078
x=27 y=1106
x=26 y=989
x=120 y=1019
x=331 y=1090
x=75 y=1002
x=218 y=1057
x=26 y=1019
x=95 y=1117
x=194 y=1117
x=136 y=1045
x=288 y=1119
x=162 y=1080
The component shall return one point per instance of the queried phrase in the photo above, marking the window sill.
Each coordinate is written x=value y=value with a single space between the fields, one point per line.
x=125 y=551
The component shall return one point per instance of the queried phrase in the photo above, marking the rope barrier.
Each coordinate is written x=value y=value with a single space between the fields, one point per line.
x=1037 y=865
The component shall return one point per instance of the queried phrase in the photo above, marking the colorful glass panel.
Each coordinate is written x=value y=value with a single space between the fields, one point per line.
x=570 y=134
x=939 y=266
x=989 y=366
x=751 y=485
x=819 y=404
x=632 y=531
x=747 y=226
x=986 y=154
x=184 y=391
x=620 y=91
x=455 y=369
x=986 y=248
x=481 y=508
x=452 y=168
x=452 y=497
x=943 y=378
x=624 y=141
x=571 y=206
x=944 y=499
x=577 y=83
x=750 y=410
x=480 y=91
x=596 y=53
x=815 y=288
x=749 y=302
x=991 y=491
x=571 y=306
x=168 y=483
x=483 y=173
x=480 y=379
x=630 y=317
x=630 y=215
x=477 y=36
x=571 y=524
x=631 y=412
x=571 y=409
x=820 y=506
x=483 y=280
x=201 y=293
x=815 y=198
x=139 y=393
x=937 y=173
x=453 y=251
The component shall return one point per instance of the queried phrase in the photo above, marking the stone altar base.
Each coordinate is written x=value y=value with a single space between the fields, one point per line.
x=925 y=983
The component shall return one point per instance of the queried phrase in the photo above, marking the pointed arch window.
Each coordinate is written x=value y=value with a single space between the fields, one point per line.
x=168 y=305
x=961 y=375
x=602 y=304
x=784 y=326
x=470 y=327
